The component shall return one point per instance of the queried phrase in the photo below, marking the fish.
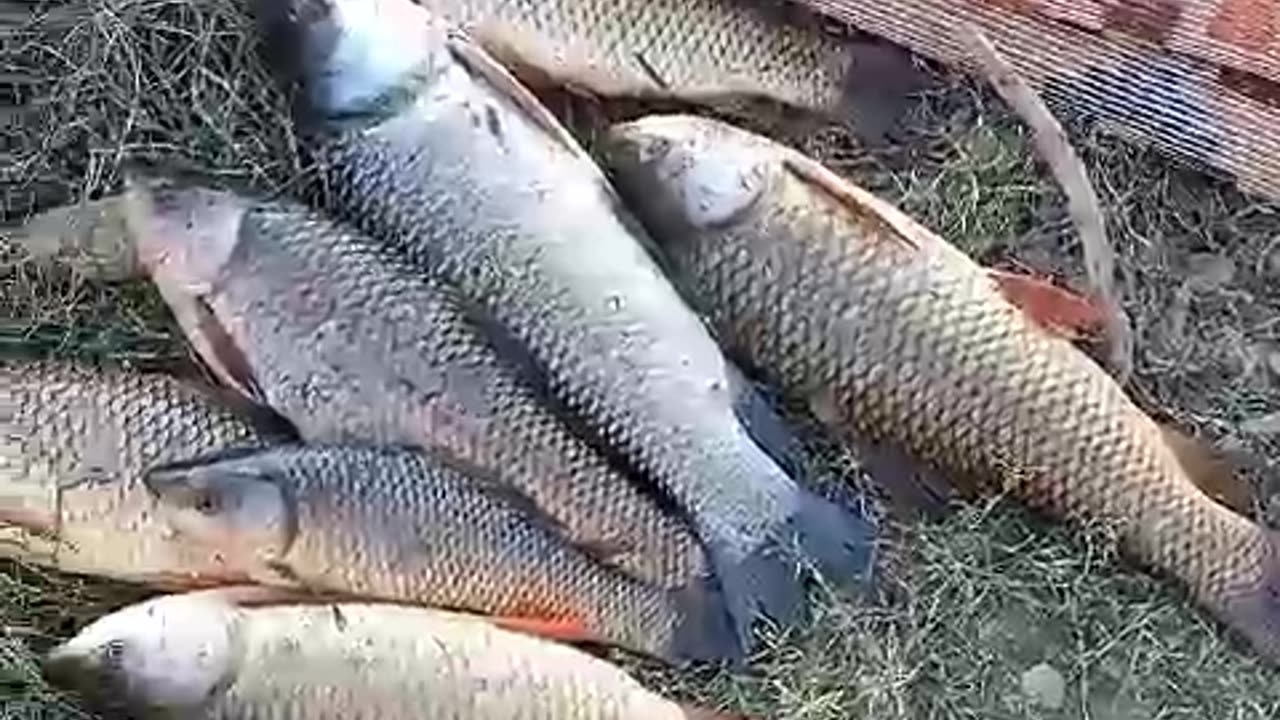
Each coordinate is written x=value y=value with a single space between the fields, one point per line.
x=353 y=344
x=899 y=341
x=199 y=655
x=700 y=51
x=397 y=524
x=89 y=238
x=431 y=146
x=75 y=440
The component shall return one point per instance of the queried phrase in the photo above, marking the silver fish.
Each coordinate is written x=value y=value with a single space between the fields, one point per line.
x=206 y=655
x=433 y=147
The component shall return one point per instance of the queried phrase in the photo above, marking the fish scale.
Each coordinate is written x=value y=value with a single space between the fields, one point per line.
x=720 y=48
x=326 y=319
x=398 y=525
x=198 y=656
x=75 y=439
x=928 y=356
x=468 y=176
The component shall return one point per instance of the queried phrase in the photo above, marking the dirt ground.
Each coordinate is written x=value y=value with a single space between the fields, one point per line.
x=1005 y=615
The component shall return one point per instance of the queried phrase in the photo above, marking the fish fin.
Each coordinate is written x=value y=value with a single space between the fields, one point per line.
x=868 y=208
x=914 y=489
x=764 y=422
x=876 y=91
x=694 y=712
x=214 y=346
x=1056 y=309
x=841 y=541
x=603 y=550
x=473 y=55
x=572 y=630
x=1210 y=470
x=765 y=581
x=704 y=629
x=1253 y=613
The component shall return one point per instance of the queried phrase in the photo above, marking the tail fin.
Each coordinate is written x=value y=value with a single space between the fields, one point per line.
x=1255 y=613
x=705 y=630
x=876 y=92
x=767 y=581
x=762 y=582
x=841 y=543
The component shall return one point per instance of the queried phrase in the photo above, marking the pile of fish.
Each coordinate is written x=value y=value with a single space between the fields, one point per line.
x=496 y=396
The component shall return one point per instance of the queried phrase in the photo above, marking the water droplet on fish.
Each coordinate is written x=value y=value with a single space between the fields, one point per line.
x=614 y=303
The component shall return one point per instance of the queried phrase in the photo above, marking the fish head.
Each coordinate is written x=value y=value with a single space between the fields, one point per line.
x=236 y=504
x=186 y=229
x=344 y=58
x=685 y=175
x=168 y=653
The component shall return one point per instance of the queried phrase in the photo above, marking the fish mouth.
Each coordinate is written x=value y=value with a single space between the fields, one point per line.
x=88 y=673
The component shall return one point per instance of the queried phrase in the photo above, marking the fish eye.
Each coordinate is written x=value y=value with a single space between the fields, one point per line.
x=207 y=503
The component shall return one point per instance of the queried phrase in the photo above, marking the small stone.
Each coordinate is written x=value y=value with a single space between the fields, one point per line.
x=1045 y=686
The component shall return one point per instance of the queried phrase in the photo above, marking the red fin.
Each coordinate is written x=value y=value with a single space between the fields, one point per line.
x=1057 y=309
x=564 y=629
x=1210 y=470
x=693 y=712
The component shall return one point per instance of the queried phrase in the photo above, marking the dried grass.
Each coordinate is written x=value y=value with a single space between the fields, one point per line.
x=992 y=591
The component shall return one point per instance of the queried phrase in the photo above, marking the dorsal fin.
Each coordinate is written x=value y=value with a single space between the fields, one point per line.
x=894 y=224
x=513 y=498
x=477 y=59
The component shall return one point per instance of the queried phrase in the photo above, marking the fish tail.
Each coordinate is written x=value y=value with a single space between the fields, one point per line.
x=876 y=81
x=840 y=543
x=704 y=630
x=1255 y=613
x=761 y=583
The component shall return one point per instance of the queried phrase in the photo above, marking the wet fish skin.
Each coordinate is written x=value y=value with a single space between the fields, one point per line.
x=354 y=345
x=197 y=656
x=434 y=149
x=75 y=439
x=697 y=50
x=398 y=525
x=898 y=338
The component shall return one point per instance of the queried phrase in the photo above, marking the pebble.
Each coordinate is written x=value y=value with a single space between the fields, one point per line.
x=1045 y=686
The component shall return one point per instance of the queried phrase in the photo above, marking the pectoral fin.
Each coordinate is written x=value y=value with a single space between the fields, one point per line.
x=1056 y=309
x=1210 y=469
